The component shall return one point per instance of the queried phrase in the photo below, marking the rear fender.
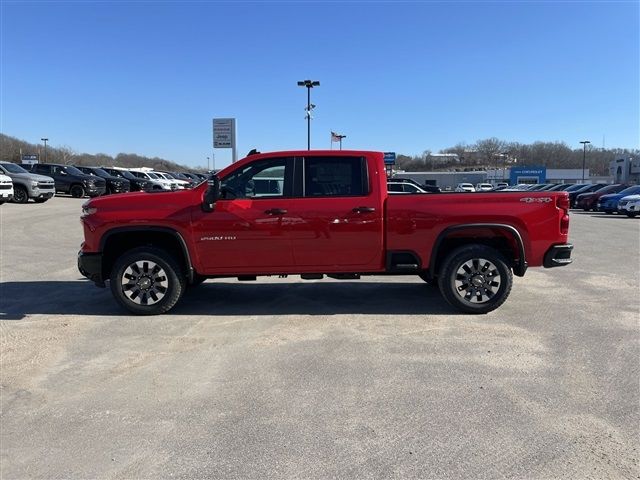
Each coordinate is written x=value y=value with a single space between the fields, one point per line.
x=493 y=234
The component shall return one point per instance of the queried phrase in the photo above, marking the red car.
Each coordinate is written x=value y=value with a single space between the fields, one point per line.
x=589 y=201
x=316 y=213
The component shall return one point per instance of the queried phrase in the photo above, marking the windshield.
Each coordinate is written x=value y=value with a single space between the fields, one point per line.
x=152 y=175
x=100 y=172
x=630 y=190
x=73 y=171
x=13 y=168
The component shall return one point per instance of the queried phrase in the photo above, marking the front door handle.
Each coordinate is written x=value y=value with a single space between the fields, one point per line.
x=275 y=211
x=364 y=210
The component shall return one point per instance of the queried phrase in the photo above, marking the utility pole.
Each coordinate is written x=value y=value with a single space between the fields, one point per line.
x=584 y=155
x=309 y=84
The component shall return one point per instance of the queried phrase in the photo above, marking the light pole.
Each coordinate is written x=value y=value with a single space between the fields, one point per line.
x=505 y=157
x=584 y=155
x=208 y=169
x=45 y=140
x=309 y=84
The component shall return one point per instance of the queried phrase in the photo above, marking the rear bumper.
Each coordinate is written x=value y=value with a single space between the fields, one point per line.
x=90 y=266
x=558 y=256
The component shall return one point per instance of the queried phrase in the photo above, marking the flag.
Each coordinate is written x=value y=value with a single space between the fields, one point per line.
x=335 y=137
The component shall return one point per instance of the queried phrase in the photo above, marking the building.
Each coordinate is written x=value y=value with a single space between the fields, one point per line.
x=625 y=170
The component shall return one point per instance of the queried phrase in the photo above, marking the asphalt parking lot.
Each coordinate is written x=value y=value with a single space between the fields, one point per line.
x=377 y=378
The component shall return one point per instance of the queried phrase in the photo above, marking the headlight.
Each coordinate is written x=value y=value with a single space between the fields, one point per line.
x=87 y=209
x=34 y=183
x=88 y=182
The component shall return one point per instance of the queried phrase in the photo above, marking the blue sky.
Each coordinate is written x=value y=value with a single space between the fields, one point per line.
x=148 y=77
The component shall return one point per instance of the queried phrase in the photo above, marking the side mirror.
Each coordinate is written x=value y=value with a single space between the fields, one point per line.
x=212 y=194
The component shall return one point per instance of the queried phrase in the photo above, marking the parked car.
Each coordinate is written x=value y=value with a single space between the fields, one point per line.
x=465 y=187
x=180 y=184
x=629 y=205
x=609 y=203
x=150 y=176
x=426 y=187
x=114 y=184
x=136 y=184
x=69 y=179
x=193 y=177
x=521 y=187
x=28 y=185
x=182 y=177
x=589 y=201
x=539 y=186
x=501 y=185
x=404 y=187
x=483 y=187
x=559 y=187
x=585 y=188
x=6 y=189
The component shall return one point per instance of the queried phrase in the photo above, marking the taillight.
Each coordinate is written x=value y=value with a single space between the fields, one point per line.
x=562 y=202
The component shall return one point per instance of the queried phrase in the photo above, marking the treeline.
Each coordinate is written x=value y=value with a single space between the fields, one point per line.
x=11 y=148
x=493 y=152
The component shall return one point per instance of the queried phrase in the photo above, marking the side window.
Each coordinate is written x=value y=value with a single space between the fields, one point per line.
x=394 y=187
x=410 y=188
x=267 y=178
x=42 y=169
x=335 y=177
x=57 y=170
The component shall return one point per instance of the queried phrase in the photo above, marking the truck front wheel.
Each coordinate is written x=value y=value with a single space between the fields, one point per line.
x=475 y=279
x=147 y=281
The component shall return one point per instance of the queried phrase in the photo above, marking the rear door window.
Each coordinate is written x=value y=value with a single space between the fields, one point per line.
x=335 y=177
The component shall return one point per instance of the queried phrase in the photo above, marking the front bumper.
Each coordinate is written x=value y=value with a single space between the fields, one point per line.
x=96 y=191
x=558 y=255
x=90 y=266
x=6 y=196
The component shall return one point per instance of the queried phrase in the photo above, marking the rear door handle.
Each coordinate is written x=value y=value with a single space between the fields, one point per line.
x=364 y=210
x=275 y=211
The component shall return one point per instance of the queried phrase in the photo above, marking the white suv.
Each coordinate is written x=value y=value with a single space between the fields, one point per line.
x=6 y=189
x=629 y=205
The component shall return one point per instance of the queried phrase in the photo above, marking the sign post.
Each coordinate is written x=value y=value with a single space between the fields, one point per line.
x=224 y=135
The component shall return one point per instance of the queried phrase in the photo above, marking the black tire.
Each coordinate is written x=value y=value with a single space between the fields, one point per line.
x=1 y=202
x=77 y=191
x=486 y=275
x=20 y=194
x=40 y=200
x=166 y=283
x=631 y=214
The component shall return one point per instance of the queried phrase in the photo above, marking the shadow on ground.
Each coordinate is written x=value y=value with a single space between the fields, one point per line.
x=219 y=299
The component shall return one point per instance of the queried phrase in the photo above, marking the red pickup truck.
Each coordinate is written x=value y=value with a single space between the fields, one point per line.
x=316 y=213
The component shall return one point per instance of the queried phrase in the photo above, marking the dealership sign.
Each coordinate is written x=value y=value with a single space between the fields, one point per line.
x=224 y=132
x=29 y=159
x=389 y=158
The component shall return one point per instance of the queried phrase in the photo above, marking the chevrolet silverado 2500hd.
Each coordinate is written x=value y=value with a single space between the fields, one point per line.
x=315 y=213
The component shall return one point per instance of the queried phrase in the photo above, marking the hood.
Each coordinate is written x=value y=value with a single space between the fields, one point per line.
x=611 y=196
x=32 y=176
x=631 y=198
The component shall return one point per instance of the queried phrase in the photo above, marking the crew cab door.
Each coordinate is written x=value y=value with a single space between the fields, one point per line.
x=338 y=215
x=249 y=229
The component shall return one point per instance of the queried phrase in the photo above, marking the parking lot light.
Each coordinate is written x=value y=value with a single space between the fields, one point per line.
x=584 y=155
x=309 y=84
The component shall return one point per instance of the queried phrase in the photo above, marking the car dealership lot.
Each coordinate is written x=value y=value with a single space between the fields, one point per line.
x=313 y=379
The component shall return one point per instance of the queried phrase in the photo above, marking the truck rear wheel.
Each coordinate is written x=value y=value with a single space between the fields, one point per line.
x=147 y=281
x=475 y=279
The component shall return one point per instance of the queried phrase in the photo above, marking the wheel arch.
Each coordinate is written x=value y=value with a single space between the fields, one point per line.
x=509 y=242
x=121 y=239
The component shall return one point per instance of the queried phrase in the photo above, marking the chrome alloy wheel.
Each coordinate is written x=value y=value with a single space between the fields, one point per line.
x=144 y=282
x=477 y=280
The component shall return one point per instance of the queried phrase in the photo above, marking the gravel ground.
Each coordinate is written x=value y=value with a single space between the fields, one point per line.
x=377 y=378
